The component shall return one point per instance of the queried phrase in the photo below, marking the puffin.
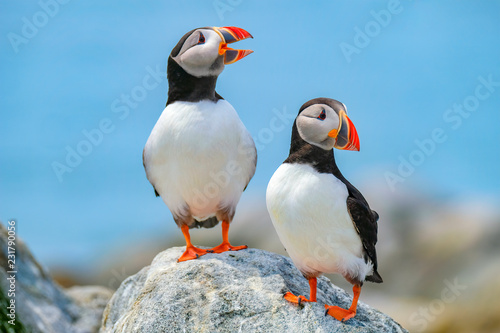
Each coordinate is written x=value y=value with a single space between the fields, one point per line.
x=199 y=156
x=323 y=221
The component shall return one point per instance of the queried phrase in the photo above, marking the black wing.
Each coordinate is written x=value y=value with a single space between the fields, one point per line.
x=144 y=164
x=365 y=222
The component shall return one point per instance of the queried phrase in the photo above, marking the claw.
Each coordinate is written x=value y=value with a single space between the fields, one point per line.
x=296 y=299
x=225 y=245
x=345 y=314
x=192 y=253
x=339 y=313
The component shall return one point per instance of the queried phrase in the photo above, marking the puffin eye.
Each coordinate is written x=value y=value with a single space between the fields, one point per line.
x=201 y=40
x=322 y=115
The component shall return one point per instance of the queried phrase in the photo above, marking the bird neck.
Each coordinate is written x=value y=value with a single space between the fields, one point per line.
x=183 y=86
x=303 y=152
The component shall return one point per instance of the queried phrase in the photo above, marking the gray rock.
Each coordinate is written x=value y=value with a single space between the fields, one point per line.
x=41 y=304
x=230 y=292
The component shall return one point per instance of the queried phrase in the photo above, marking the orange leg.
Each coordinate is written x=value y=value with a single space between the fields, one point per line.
x=225 y=245
x=343 y=314
x=299 y=299
x=191 y=252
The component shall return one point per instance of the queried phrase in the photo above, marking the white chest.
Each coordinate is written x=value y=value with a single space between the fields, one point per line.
x=309 y=212
x=193 y=156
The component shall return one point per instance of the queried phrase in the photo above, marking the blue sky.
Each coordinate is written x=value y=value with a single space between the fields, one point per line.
x=400 y=67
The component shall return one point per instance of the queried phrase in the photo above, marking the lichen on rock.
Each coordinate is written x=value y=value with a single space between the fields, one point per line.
x=41 y=304
x=230 y=292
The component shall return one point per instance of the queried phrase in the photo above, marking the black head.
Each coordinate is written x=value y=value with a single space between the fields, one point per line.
x=204 y=51
x=323 y=123
x=197 y=60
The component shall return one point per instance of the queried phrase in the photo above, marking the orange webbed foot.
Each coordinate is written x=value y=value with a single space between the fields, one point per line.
x=192 y=253
x=299 y=299
x=339 y=313
x=227 y=247
x=295 y=299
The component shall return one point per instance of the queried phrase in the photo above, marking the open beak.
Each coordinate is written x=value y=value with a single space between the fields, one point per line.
x=346 y=136
x=230 y=35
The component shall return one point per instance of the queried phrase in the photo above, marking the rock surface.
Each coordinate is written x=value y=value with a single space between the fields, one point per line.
x=41 y=304
x=230 y=292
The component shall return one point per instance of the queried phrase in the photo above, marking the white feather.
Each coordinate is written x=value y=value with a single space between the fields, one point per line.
x=309 y=212
x=199 y=156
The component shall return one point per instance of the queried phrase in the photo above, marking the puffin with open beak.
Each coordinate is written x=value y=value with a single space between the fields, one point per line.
x=323 y=221
x=199 y=156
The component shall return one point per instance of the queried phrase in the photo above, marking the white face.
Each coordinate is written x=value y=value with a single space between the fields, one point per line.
x=199 y=55
x=315 y=122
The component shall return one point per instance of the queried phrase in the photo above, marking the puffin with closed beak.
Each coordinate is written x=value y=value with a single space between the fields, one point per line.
x=199 y=156
x=323 y=221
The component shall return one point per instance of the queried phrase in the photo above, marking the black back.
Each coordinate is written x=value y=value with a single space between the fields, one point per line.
x=323 y=161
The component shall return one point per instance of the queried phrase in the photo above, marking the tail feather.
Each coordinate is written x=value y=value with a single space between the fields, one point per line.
x=375 y=278
x=208 y=223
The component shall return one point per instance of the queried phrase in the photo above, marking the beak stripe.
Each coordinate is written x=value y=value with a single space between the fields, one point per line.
x=230 y=35
x=347 y=138
x=231 y=56
x=233 y=34
x=238 y=33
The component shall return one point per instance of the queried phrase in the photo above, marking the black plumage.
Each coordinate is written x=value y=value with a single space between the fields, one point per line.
x=183 y=86
x=323 y=161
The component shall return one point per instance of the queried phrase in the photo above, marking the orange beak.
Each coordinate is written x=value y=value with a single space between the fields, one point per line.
x=346 y=136
x=230 y=35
